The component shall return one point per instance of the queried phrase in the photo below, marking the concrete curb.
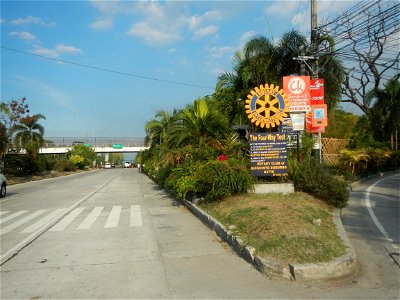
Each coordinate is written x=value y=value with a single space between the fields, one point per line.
x=339 y=267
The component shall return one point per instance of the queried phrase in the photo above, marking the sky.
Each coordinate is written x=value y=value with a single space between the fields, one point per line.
x=104 y=68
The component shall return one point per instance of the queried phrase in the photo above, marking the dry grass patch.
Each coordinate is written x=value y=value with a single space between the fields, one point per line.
x=281 y=226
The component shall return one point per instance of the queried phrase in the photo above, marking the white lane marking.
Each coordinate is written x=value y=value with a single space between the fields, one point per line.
x=12 y=216
x=11 y=252
x=43 y=221
x=91 y=218
x=3 y=212
x=22 y=221
x=372 y=214
x=113 y=217
x=136 y=216
x=60 y=226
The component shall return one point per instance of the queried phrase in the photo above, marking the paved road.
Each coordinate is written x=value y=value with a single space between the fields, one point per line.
x=115 y=234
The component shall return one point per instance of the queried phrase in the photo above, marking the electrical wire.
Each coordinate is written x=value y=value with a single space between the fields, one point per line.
x=107 y=70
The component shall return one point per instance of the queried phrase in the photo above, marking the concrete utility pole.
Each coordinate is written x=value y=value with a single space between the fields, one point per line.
x=314 y=72
x=314 y=39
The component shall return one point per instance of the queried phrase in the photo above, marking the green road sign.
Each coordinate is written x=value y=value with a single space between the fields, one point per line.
x=88 y=145
x=118 y=146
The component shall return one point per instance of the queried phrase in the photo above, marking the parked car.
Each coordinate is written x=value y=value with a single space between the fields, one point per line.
x=3 y=186
x=107 y=166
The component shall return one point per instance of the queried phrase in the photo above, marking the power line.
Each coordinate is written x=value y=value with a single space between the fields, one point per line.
x=106 y=70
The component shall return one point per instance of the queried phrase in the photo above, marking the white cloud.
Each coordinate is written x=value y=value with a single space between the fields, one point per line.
x=217 y=52
x=57 y=51
x=154 y=35
x=23 y=35
x=30 y=20
x=280 y=8
x=205 y=31
x=247 y=36
x=102 y=24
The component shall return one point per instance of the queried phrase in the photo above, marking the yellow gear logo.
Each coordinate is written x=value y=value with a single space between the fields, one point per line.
x=267 y=106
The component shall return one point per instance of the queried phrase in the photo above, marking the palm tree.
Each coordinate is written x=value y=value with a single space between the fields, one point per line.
x=157 y=129
x=28 y=134
x=198 y=124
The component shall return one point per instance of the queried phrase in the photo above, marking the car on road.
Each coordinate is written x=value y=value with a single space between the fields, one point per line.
x=3 y=186
x=107 y=166
x=127 y=164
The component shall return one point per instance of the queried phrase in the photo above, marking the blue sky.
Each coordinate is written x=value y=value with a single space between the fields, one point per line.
x=169 y=53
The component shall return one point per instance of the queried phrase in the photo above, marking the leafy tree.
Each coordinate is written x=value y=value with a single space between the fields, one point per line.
x=10 y=115
x=82 y=156
x=341 y=124
x=385 y=114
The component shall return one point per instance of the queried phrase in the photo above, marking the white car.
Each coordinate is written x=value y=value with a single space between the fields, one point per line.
x=3 y=186
x=127 y=164
x=107 y=166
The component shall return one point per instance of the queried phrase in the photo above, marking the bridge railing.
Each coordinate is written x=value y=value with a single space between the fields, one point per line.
x=93 y=141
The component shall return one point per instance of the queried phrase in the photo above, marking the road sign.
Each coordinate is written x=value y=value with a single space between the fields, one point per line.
x=118 y=146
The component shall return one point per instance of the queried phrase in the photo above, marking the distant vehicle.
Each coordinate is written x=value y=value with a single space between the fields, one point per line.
x=127 y=164
x=107 y=166
x=3 y=186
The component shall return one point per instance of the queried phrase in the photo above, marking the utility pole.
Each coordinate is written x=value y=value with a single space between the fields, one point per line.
x=314 y=71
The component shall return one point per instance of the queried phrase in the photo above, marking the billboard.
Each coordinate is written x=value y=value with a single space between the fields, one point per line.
x=297 y=90
x=316 y=98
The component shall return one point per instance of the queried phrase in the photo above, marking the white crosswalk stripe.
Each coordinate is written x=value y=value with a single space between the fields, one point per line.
x=12 y=216
x=136 y=216
x=111 y=219
x=91 y=218
x=21 y=221
x=43 y=221
x=60 y=226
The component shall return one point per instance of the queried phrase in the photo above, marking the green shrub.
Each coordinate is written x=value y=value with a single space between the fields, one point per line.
x=162 y=174
x=314 y=178
x=220 y=179
x=65 y=165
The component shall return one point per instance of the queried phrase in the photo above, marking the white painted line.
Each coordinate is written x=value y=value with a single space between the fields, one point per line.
x=3 y=212
x=60 y=226
x=136 y=216
x=43 y=221
x=12 y=216
x=91 y=218
x=372 y=214
x=22 y=221
x=113 y=217
x=13 y=251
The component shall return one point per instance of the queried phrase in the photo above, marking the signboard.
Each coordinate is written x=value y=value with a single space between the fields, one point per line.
x=298 y=121
x=266 y=106
x=297 y=89
x=118 y=146
x=291 y=135
x=316 y=98
x=268 y=154
x=319 y=115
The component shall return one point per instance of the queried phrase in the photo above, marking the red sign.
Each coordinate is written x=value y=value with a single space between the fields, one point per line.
x=297 y=90
x=316 y=98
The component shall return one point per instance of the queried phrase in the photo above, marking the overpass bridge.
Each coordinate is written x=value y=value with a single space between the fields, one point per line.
x=60 y=145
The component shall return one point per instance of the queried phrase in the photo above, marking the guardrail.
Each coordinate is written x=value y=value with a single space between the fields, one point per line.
x=93 y=141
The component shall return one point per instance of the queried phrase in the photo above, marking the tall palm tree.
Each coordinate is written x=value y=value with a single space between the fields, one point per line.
x=28 y=134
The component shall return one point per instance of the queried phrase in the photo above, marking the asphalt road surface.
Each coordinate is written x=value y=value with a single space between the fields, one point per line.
x=114 y=234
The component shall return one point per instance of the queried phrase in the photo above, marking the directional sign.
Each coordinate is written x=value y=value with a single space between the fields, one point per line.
x=118 y=146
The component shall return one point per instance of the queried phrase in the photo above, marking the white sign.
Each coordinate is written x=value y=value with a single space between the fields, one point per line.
x=298 y=121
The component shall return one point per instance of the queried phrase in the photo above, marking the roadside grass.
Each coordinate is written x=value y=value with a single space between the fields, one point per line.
x=281 y=226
